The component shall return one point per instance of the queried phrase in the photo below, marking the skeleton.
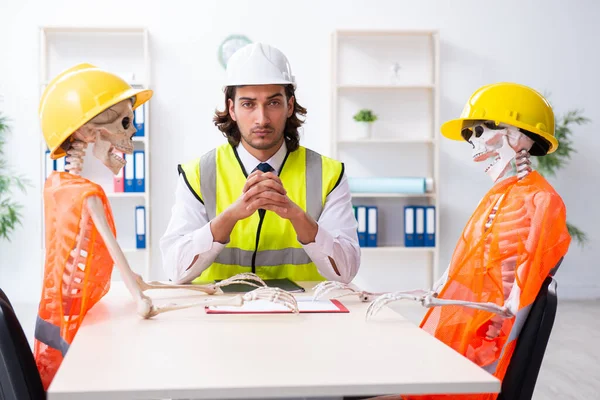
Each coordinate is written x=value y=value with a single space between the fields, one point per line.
x=494 y=146
x=112 y=130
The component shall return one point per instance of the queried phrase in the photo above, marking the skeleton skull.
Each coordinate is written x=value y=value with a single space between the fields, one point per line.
x=110 y=131
x=496 y=145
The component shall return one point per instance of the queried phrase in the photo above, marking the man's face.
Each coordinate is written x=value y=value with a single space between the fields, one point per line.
x=260 y=113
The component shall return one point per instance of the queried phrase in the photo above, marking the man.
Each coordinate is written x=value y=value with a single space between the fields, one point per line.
x=261 y=202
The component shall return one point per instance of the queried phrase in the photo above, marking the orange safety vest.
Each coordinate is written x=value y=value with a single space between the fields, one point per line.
x=530 y=225
x=59 y=318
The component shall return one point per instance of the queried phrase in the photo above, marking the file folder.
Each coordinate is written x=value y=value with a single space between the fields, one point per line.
x=139 y=119
x=372 y=226
x=119 y=184
x=50 y=164
x=361 y=212
x=129 y=177
x=409 y=226
x=139 y=184
x=140 y=227
x=430 y=226
x=419 y=226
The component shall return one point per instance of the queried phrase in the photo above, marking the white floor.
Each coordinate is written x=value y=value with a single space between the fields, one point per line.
x=570 y=370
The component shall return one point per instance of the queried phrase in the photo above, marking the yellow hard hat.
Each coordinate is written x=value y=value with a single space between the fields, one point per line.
x=512 y=104
x=76 y=96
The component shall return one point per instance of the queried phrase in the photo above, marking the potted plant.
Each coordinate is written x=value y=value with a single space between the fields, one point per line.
x=365 y=118
x=10 y=216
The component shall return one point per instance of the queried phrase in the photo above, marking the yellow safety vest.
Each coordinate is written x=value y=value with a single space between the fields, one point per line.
x=267 y=246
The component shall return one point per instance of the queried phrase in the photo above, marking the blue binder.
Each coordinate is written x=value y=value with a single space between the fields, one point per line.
x=139 y=184
x=372 y=226
x=59 y=164
x=50 y=164
x=361 y=212
x=409 y=226
x=129 y=176
x=419 y=226
x=139 y=119
x=140 y=227
x=430 y=226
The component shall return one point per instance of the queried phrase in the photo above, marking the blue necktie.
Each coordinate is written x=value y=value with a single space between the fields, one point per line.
x=264 y=167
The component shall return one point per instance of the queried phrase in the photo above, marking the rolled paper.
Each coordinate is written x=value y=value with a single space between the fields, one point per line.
x=389 y=185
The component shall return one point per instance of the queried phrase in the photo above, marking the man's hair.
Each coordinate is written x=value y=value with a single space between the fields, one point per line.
x=230 y=129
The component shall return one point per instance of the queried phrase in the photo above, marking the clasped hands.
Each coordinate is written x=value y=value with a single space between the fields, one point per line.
x=264 y=190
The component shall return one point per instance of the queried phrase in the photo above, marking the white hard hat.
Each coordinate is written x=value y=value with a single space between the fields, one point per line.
x=259 y=64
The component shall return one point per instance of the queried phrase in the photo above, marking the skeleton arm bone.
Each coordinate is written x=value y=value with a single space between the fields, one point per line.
x=244 y=278
x=428 y=300
x=143 y=302
x=325 y=288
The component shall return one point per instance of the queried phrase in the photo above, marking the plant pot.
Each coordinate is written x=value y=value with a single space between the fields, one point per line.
x=364 y=130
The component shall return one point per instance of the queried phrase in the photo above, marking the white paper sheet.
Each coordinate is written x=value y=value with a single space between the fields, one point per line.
x=305 y=304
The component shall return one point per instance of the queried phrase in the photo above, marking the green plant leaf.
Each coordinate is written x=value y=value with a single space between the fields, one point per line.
x=577 y=234
x=10 y=215
x=365 y=115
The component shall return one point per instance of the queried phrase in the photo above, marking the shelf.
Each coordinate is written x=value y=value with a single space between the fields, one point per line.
x=384 y=87
x=141 y=139
x=387 y=141
x=402 y=249
x=132 y=250
x=376 y=32
x=407 y=195
x=94 y=29
x=126 y=195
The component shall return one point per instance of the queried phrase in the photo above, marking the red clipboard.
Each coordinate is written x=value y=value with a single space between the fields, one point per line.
x=256 y=307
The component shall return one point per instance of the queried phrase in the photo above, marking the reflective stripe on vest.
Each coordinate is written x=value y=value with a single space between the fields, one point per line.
x=49 y=334
x=265 y=258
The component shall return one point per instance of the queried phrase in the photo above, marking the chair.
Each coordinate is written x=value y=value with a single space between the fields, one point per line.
x=522 y=372
x=4 y=297
x=19 y=376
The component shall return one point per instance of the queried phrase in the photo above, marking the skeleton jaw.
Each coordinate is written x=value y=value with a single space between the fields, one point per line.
x=491 y=157
x=104 y=150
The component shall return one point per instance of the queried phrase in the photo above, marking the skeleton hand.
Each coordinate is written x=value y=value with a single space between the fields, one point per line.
x=274 y=295
x=416 y=295
x=324 y=288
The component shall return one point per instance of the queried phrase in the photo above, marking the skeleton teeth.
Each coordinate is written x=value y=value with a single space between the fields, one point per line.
x=118 y=158
x=493 y=163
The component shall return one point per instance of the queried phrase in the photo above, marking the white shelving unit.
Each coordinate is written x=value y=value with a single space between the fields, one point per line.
x=124 y=51
x=404 y=140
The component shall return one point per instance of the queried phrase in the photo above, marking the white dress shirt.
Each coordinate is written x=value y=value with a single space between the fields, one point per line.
x=189 y=235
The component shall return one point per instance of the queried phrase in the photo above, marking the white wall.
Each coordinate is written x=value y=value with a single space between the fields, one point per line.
x=549 y=45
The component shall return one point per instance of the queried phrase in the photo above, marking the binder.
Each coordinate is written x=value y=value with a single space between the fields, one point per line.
x=119 y=184
x=430 y=226
x=129 y=166
x=409 y=226
x=139 y=184
x=50 y=164
x=60 y=164
x=361 y=212
x=140 y=227
x=419 y=226
x=139 y=119
x=372 y=226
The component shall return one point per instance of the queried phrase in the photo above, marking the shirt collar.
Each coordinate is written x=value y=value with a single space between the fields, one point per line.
x=250 y=162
